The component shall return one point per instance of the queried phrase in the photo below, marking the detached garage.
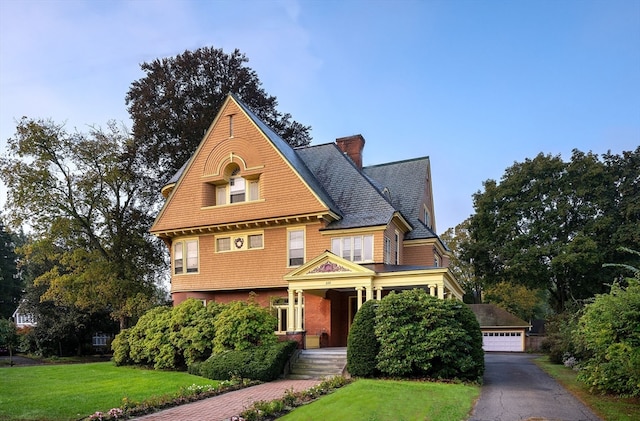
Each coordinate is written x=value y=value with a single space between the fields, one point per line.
x=501 y=330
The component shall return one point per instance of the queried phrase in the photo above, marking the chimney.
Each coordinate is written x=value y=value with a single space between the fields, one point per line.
x=352 y=146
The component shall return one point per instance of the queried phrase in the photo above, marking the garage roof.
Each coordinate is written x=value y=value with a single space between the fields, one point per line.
x=490 y=315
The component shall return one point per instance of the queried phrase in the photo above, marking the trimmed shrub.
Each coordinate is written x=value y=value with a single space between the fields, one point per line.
x=264 y=363
x=362 y=344
x=149 y=339
x=192 y=331
x=242 y=325
x=421 y=335
x=169 y=338
x=120 y=348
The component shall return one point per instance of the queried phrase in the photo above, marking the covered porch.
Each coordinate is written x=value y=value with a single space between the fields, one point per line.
x=332 y=290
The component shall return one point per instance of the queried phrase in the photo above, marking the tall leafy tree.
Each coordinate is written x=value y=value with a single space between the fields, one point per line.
x=173 y=105
x=10 y=283
x=455 y=238
x=548 y=224
x=82 y=194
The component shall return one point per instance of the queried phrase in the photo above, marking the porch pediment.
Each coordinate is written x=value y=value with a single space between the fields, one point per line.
x=329 y=270
x=328 y=265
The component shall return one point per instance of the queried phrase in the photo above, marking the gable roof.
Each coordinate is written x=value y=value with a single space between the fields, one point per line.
x=290 y=155
x=359 y=198
x=404 y=181
x=490 y=315
x=361 y=204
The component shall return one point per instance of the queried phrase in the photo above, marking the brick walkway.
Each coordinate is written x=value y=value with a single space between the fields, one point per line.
x=227 y=405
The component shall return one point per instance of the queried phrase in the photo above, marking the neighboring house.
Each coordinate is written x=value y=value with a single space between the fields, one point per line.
x=308 y=230
x=22 y=318
x=501 y=330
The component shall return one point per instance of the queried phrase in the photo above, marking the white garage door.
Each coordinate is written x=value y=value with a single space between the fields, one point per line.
x=503 y=341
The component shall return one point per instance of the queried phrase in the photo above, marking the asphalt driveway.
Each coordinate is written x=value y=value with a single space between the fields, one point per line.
x=516 y=389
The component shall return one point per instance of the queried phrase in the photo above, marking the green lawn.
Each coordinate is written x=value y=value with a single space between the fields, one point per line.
x=370 y=400
x=71 y=391
x=608 y=408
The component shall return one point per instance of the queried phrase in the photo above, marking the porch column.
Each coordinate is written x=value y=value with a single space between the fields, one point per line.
x=291 y=326
x=432 y=290
x=441 y=291
x=378 y=293
x=299 y=314
x=369 y=293
x=359 y=299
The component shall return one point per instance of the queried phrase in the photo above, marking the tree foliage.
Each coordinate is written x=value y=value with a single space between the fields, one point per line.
x=455 y=238
x=10 y=283
x=608 y=339
x=8 y=337
x=551 y=224
x=82 y=194
x=526 y=303
x=173 y=105
x=421 y=335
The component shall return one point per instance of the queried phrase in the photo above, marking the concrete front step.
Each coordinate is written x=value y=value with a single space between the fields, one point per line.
x=318 y=363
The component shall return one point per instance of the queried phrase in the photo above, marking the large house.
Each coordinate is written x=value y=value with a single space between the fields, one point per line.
x=309 y=232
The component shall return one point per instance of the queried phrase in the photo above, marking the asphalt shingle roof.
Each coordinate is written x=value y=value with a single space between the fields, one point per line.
x=490 y=315
x=361 y=198
x=361 y=204
x=405 y=183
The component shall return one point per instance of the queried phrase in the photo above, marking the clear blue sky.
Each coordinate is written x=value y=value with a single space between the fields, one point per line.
x=475 y=85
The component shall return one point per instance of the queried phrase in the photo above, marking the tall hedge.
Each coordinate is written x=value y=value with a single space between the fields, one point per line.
x=421 y=335
x=362 y=344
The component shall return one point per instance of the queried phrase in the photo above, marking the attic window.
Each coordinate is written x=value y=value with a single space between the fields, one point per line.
x=230 y=125
x=427 y=217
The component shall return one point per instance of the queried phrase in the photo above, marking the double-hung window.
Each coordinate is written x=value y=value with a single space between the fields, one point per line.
x=237 y=189
x=387 y=250
x=358 y=248
x=185 y=257
x=296 y=247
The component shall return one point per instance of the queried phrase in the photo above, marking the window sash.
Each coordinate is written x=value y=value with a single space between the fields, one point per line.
x=255 y=241
x=223 y=244
x=192 y=256
x=358 y=248
x=254 y=190
x=177 y=258
x=387 y=250
x=237 y=189
x=221 y=195
x=296 y=248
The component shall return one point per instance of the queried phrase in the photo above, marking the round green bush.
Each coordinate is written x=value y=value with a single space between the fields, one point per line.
x=242 y=325
x=362 y=344
x=421 y=335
